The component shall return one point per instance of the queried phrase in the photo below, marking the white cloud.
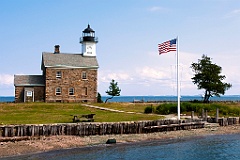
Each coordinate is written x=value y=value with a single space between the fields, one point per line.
x=6 y=79
x=233 y=13
x=107 y=76
x=151 y=73
x=156 y=9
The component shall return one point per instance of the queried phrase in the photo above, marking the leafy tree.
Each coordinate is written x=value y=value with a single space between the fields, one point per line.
x=207 y=76
x=99 y=98
x=114 y=90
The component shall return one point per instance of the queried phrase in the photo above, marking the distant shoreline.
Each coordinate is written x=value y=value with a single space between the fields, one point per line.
x=37 y=145
x=153 y=99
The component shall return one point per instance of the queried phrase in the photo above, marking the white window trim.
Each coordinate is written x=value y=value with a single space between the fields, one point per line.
x=71 y=91
x=84 y=75
x=29 y=93
x=58 y=93
x=58 y=74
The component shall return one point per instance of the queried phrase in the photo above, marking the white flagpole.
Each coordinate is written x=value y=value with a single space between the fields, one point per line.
x=178 y=83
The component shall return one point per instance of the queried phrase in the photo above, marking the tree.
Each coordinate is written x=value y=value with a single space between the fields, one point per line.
x=207 y=76
x=99 y=98
x=114 y=90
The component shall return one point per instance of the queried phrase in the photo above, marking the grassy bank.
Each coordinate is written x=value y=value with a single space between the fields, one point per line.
x=45 y=113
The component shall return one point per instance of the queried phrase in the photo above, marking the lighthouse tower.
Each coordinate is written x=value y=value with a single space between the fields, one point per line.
x=88 y=41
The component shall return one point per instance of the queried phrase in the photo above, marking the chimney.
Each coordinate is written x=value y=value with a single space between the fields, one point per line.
x=56 y=50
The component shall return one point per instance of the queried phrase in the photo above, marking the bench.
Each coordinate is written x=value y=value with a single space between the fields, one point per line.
x=83 y=118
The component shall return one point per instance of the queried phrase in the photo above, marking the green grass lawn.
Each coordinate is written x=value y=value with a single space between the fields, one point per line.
x=45 y=113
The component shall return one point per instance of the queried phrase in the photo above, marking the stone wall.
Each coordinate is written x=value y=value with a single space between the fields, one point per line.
x=39 y=94
x=19 y=94
x=84 y=89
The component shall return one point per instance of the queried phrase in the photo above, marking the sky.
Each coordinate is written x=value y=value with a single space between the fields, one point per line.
x=129 y=32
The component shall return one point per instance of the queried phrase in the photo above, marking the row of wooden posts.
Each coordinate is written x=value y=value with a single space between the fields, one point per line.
x=94 y=128
x=221 y=121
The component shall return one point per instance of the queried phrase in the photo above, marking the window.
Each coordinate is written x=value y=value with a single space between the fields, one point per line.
x=58 y=74
x=29 y=93
x=58 y=91
x=85 y=92
x=71 y=91
x=84 y=75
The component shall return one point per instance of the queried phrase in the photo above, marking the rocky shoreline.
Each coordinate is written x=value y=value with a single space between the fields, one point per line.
x=43 y=144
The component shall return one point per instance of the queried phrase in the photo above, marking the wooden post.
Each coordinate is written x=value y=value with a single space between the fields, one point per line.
x=203 y=114
x=217 y=115
x=206 y=115
x=5 y=131
x=192 y=115
x=32 y=129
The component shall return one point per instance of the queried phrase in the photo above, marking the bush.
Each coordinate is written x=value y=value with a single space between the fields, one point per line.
x=149 y=109
x=188 y=107
x=225 y=110
x=99 y=98
x=234 y=111
x=166 y=108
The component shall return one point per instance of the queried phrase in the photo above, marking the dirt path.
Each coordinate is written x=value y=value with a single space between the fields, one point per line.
x=170 y=116
x=114 y=110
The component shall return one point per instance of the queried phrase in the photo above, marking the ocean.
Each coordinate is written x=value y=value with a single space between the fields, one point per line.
x=233 y=98
x=7 y=99
x=198 y=148
x=169 y=98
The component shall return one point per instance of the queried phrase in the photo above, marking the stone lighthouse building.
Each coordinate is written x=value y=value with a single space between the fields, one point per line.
x=67 y=77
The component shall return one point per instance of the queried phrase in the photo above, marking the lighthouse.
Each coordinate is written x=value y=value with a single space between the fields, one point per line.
x=88 y=41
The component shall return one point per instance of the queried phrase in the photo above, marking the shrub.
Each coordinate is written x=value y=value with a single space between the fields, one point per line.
x=166 y=108
x=99 y=98
x=225 y=110
x=171 y=108
x=188 y=107
x=149 y=109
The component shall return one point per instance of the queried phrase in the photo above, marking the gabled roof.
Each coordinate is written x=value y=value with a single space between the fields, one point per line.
x=67 y=60
x=29 y=80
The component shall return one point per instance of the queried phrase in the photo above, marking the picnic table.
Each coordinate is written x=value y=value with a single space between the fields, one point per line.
x=83 y=118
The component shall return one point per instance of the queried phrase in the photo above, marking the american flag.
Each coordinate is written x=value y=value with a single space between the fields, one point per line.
x=167 y=46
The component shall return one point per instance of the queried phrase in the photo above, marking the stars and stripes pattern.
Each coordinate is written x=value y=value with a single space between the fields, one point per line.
x=167 y=46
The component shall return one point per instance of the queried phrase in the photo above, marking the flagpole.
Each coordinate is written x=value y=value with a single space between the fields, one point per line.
x=178 y=83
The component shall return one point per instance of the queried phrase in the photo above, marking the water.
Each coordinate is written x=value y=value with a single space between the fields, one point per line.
x=169 y=98
x=208 y=148
x=152 y=98
x=7 y=99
